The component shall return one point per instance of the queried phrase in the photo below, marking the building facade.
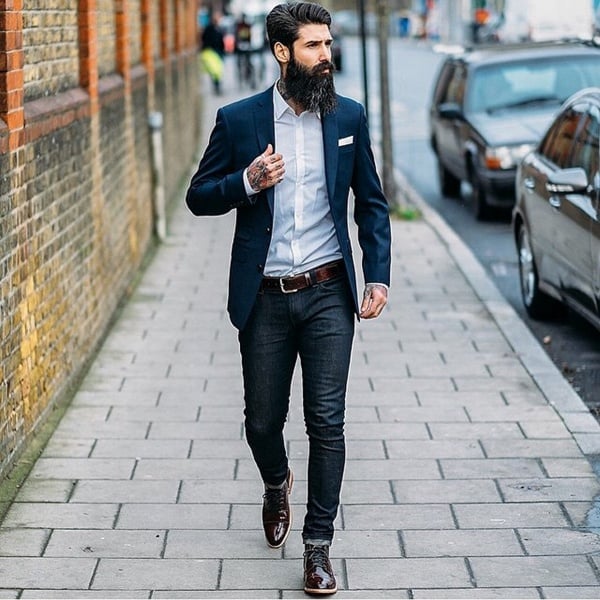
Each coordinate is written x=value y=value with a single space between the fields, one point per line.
x=78 y=82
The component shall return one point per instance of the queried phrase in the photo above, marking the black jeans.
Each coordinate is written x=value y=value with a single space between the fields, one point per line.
x=316 y=324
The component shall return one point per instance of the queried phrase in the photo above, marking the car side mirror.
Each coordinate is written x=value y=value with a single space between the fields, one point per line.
x=450 y=110
x=567 y=181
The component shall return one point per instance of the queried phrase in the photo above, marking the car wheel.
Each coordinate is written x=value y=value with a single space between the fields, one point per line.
x=537 y=304
x=449 y=185
x=481 y=209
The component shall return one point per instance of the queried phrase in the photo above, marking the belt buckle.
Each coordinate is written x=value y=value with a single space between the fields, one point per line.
x=282 y=288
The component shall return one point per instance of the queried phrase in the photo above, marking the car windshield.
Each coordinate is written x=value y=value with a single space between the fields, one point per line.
x=521 y=84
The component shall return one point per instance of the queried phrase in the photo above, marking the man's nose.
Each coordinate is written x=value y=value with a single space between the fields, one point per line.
x=325 y=54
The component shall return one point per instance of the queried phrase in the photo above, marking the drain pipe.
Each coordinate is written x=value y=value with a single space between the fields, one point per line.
x=155 y=121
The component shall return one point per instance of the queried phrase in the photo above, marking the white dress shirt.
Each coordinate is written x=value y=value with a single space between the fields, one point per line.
x=303 y=235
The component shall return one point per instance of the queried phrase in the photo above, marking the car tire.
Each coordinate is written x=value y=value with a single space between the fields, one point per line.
x=539 y=305
x=449 y=184
x=481 y=209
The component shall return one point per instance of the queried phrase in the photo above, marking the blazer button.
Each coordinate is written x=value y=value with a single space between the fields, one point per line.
x=260 y=268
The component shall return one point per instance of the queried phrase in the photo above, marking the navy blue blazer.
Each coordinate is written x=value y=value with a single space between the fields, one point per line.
x=242 y=131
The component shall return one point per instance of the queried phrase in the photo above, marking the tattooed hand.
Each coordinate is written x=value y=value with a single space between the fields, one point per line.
x=374 y=299
x=266 y=170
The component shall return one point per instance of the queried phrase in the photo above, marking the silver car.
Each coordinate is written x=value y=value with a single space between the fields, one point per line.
x=556 y=217
x=490 y=106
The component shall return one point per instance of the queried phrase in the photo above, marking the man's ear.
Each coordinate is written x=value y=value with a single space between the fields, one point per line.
x=282 y=53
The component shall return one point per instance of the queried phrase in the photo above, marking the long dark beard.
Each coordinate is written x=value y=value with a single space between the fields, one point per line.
x=312 y=88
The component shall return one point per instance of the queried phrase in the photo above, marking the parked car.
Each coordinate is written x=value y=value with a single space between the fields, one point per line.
x=556 y=219
x=490 y=106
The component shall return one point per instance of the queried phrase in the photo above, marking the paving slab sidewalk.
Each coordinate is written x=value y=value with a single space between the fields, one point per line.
x=468 y=474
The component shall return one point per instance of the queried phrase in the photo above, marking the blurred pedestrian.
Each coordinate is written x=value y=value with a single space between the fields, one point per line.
x=286 y=159
x=244 y=50
x=213 y=50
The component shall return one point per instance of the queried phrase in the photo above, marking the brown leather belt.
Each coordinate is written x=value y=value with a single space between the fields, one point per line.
x=288 y=285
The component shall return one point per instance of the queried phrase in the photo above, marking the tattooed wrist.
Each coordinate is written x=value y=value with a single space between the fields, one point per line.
x=257 y=175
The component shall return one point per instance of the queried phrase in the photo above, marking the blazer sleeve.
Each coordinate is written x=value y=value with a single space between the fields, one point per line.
x=218 y=186
x=371 y=212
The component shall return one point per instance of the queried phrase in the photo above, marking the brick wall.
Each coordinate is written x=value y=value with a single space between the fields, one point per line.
x=77 y=81
x=50 y=47
x=155 y=21
x=135 y=32
x=106 y=27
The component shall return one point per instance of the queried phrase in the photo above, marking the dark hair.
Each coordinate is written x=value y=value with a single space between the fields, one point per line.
x=284 y=21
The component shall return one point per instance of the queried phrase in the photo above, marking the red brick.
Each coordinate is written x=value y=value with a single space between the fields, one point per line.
x=14 y=118
x=11 y=21
x=11 y=5
x=11 y=60
x=13 y=79
x=11 y=40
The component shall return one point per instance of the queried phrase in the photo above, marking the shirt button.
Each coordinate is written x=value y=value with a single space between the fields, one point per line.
x=268 y=230
x=260 y=268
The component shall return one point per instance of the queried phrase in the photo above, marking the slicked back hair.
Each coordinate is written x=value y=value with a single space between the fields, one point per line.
x=285 y=20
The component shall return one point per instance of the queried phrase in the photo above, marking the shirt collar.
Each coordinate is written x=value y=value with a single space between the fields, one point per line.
x=281 y=106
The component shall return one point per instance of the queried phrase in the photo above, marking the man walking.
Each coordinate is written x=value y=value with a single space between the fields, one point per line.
x=286 y=160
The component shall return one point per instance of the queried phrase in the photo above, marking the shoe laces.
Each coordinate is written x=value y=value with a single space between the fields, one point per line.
x=318 y=555
x=275 y=499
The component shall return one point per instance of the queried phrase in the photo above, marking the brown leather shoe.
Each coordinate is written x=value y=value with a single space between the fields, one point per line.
x=318 y=572
x=277 y=514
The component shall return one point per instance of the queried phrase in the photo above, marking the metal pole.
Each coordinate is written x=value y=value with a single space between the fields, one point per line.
x=389 y=182
x=155 y=120
x=363 y=44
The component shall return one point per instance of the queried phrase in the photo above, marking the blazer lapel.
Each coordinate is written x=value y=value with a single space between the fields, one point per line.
x=264 y=125
x=330 y=146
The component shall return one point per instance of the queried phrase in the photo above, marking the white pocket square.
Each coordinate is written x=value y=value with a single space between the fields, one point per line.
x=345 y=141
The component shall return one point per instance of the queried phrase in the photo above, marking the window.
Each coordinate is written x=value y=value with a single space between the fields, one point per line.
x=442 y=82
x=586 y=146
x=530 y=82
x=558 y=143
x=456 y=86
x=490 y=90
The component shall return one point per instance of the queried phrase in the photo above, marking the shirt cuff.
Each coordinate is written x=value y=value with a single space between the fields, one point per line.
x=249 y=191
x=387 y=287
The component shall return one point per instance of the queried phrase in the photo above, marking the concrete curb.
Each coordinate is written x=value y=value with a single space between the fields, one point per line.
x=568 y=404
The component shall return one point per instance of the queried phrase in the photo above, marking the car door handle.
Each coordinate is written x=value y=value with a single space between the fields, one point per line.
x=529 y=183
x=554 y=201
